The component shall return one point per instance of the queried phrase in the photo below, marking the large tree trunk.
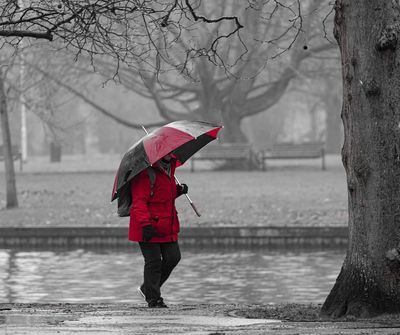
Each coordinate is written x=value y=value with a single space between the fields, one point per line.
x=370 y=276
x=11 y=189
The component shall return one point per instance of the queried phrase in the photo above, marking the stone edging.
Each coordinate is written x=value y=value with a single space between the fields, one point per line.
x=280 y=237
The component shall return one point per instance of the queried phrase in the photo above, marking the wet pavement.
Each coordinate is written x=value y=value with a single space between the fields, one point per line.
x=178 y=319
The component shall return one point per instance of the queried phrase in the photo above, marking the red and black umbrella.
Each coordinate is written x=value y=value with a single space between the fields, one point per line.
x=182 y=138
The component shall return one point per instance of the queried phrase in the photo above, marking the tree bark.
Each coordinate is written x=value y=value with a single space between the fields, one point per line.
x=367 y=33
x=11 y=188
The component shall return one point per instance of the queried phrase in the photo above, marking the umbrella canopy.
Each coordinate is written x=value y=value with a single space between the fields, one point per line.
x=182 y=138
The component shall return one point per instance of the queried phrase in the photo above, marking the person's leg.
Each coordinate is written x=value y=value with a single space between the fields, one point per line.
x=152 y=271
x=171 y=255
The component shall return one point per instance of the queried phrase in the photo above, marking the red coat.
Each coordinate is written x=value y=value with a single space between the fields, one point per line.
x=157 y=209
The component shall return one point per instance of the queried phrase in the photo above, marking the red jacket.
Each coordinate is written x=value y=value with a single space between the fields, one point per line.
x=157 y=209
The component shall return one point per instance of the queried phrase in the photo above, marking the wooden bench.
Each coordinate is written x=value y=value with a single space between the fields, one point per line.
x=307 y=150
x=225 y=151
x=16 y=154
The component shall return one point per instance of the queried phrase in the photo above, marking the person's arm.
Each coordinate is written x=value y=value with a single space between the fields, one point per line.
x=182 y=188
x=141 y=193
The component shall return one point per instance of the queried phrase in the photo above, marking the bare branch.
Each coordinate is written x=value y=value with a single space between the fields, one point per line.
x=131 y=31
x=324 y=22
x=24 y=33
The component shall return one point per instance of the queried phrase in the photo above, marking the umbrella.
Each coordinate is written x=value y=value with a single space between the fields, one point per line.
x=182 y=138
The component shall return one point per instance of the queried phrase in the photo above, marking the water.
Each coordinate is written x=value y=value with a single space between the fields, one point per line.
x=84 y=276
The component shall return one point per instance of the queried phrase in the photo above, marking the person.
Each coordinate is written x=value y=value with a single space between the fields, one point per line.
x=154 y=224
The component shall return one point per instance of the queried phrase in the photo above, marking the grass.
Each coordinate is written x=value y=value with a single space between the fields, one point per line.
x=77 y=192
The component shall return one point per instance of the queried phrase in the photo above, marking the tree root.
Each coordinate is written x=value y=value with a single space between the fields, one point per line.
x=354 y=297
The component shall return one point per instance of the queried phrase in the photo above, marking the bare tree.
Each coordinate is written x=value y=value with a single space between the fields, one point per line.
x=125 y=31
x=320 y=85
x=368 y=34
x=257 y=68
x=231 y=85
x=129 y=31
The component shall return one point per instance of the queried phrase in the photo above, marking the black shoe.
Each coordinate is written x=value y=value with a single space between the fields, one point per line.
x=161 y=304
x=157 y=304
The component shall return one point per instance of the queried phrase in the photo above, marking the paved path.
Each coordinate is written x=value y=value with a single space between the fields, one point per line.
x=182 y=319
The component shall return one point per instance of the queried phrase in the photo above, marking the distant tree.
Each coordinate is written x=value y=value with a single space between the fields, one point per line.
x=255 y=72
x=11 y=188
x=125 y=30
x=321 y=88
x=238 y=87
x=368 y=34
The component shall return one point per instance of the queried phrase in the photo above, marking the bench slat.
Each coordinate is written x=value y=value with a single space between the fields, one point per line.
x=292 y=155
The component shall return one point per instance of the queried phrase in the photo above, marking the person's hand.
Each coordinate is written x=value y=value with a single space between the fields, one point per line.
x=182 y=189
x=148 y=232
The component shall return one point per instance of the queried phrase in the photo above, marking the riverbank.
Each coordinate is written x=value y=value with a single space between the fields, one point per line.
x=197 y=237
x=182 y=319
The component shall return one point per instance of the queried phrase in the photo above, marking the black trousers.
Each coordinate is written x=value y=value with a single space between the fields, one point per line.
x=159 y=261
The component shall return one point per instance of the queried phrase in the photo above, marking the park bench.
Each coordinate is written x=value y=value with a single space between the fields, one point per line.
x=225 y=151
x=307 y=150
x=16 y=154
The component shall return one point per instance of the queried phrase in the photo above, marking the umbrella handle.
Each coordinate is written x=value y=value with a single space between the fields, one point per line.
x=193 y=206
x=190 y=200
